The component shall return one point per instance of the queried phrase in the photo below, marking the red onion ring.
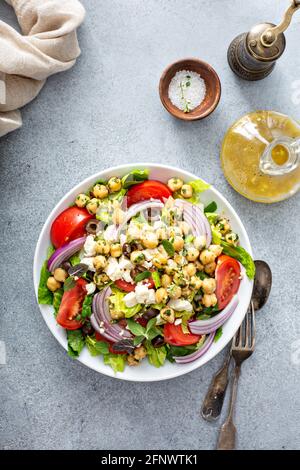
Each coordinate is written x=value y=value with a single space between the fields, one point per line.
x=200 y=327
x=197 y=220
x=64 y=253
x=102 y=314
x=135 y=209
x=192 y=357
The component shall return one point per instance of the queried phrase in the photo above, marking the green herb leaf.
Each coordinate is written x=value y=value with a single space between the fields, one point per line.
x=188 y=84
x=75 y=342
x=156 y=279
x=156 y=356
x=86 y=311
x=168 y=247
x=202 y=275
x=242 y=256
x=96 y=348
x=141 y=276
x=57 y=297
x=69 y=284
x=135 y=328
x=138 y=340
x=212 y=207
x=218 y=334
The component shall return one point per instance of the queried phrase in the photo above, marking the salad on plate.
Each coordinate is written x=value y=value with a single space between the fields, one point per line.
x=140 y=269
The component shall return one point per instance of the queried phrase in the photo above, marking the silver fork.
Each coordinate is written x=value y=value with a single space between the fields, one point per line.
x=242 y=347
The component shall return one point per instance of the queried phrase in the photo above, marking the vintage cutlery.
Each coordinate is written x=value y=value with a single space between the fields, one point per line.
x=213 y=402
x=242 y=348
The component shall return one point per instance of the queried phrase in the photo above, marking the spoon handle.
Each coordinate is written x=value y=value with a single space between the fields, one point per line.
x=213 y=402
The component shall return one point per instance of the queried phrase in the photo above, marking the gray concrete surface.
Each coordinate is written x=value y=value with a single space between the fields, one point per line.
x=104 y=112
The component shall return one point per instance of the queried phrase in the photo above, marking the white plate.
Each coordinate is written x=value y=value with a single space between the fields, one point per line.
x=145 y=372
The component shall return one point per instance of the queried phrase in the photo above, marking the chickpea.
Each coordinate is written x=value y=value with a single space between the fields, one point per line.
x=189 y=270
x=209 y=285
x=192 y=254
x=166 y=280
x=114 y=184
x=199 y=242
x=178 y=243
x=175 y=184
x=199 y=266
x=118 y=216
x=159 y=261
x=232 y=238
x=216 y=249
x=116 y=314
x=150 y=240
x=195 y=283
x=161 y=295
x=174 y=291
x=223 y=226
x=140 y=353
x=101 y=279
x=99 y=262
x=82 y=200
x=100 y=191
x=60 y=275
x=167 y=314
x=207 y=257
x=186 y=191
x=115 y=250
x=185 y=228
x=102 y=247
x=171 y=267
x=209 y=300
x=92 y=206
x=53 y=284
x=161 y=234
x=131 y=361
x=179 y=279
x=180 y=260
x=210 y=268
x=137 y=257
x=186 y=292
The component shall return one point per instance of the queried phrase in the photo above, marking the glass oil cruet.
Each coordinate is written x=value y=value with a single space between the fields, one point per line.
x=260 y=156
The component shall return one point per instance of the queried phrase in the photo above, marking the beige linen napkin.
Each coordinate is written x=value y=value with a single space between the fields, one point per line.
x=48 y=44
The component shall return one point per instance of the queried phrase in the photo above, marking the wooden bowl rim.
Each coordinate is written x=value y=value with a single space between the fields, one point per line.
x=180 y=114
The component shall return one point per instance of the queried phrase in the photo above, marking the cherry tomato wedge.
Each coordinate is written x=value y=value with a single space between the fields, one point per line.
x=71 y=305
x=228 y=279
x=150 y=189
x=174 y=335
x=69 y=225
x=128 y=287
x=99 y=337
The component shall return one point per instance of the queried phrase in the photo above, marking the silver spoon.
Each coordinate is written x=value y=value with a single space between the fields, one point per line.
x=213 y=402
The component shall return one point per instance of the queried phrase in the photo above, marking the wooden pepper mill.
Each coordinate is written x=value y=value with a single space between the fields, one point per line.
x=253 y=55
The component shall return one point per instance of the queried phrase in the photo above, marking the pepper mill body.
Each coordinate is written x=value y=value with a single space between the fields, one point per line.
x=253 y=55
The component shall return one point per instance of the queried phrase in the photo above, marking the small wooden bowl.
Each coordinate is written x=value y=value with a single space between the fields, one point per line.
x=213 y=89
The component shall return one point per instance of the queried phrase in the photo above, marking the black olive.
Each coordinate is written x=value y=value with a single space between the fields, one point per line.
x=87 y=329
x=66 y=265
x=127 y=249
x=158 y=342
x=150 y=313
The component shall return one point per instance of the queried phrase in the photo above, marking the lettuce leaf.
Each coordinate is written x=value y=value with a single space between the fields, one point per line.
x=242 y=256
x=96 y=348
x=75 y=259
x=199 y=186
x=156 y=356
x=86 y=311
x=116 y=361
x=45 y=296
x=75 y=342
x=118 y=304
x=134 y=177
x=57 y=296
